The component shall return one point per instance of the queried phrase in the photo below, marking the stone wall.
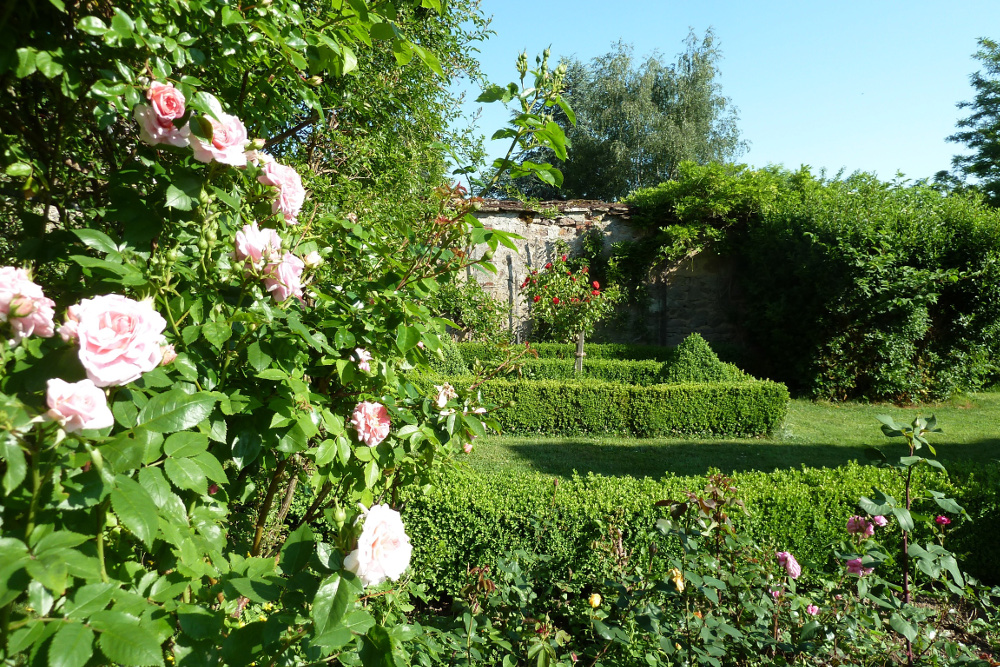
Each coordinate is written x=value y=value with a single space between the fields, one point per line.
x=695 y=296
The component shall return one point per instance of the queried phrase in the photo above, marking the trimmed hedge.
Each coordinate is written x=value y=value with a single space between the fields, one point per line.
x=472 y=519
x=644 y=372
x=568 y=351
x=552 y=407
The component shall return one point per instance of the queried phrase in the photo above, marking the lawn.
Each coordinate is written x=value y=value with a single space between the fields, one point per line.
x=814 y=434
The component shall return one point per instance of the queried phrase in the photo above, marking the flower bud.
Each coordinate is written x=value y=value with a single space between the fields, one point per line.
x=594 y=600
x=256 y=145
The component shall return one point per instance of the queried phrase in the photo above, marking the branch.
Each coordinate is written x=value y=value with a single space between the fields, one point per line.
x=309 y=120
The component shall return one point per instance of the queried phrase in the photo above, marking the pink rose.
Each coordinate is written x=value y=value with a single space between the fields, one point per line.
x=169 y=354
x=371 y=421
x=291 y=194
x=855 y=567
x=812 y=610
x=880 y=521
x=787 y=561
x=77 y=406
x=24 y=306
x=119 y=339
x=167 y=101
x=363 y=356
x=312 y=260
x=858 y=525
x=942 y=520
x=384 y=549
x=284 y=279
x=256 y=246
x=68 y=330
x=467 y=448
x=776 y=594
x=229 y=140
x=156 y=121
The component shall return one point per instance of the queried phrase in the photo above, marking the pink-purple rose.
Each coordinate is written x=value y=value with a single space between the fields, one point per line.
x=787 y=561
x=156 y=121
x=119 y=339
x=257 y=247
x=77 y=405
x=228 y=143
x=812 y=610
x=858 y=525
x=942 y=520
x=880 y=521
x=383 y=550
x=855 y=567
x=371 y=421
x=24 y=306
x=364 y=357
x=284 y=279
x=291 y=194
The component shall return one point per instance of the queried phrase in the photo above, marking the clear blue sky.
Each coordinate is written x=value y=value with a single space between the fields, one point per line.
x=866 y=86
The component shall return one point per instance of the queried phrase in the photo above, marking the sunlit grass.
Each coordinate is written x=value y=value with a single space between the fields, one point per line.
x=814 y=434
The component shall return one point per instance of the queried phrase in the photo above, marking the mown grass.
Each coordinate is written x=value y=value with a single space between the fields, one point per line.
x=814 y=435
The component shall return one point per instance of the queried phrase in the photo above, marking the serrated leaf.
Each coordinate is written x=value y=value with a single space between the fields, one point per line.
x=217 y=333
x=185 y=444
x=175 y=411
x=135 y=508
x=332 y=599
x=297 y=550
x=88 y=600
x=19 y=170
x=16 y=466
x=124 y=641
x=186 y=474
x=72 y=646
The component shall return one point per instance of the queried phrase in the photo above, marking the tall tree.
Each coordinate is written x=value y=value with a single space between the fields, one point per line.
x=637 y=121
x=980 y=131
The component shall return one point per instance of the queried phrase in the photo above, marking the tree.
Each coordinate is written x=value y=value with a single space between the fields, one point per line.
x=636 y=122
x=981 y=129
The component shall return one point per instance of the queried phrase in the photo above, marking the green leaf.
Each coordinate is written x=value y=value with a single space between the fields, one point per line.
x=297 y=550
x=124 y=641
x=88 y=600
x=47 y=65
x=406 y=338
x=16 y=466
x=217 y=333
x=376 y=648
x=97 y=240
x=135 y=508
x=332 y=599
x=186 y=474
x=185 y=444
x=92 y=26
x=25 y=62
x=903 y=517
x=19 y=170
x=176 y=411
x=198 y=622
x=257 y=590
x=903 y=627
x=72 y=646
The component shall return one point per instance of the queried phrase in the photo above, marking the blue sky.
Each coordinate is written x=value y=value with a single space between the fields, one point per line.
x=866 y=86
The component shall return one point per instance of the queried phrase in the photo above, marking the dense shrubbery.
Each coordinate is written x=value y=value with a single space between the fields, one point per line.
x=554 y=407
x=621 y=351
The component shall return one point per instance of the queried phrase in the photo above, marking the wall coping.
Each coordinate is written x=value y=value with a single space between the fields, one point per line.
x=586 y=206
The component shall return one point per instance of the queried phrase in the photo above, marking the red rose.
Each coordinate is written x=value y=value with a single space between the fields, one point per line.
x=537 y=298
x=585 y=269
x=573 y=279
x=597 y=285
x=534 y=273
x=564 y=258
x=596 y=292
x=549 y=265
x=555 y=300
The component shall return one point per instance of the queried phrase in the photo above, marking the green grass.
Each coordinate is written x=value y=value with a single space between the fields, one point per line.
x=814 y=435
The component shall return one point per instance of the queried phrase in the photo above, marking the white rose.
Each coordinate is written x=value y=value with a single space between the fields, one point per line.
x=383 y=549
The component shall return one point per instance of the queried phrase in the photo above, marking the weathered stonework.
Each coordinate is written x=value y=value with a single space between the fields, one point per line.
x=695 y=296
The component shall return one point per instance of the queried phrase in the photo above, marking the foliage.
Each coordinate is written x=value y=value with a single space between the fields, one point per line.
x=979 y=130
x=565 y=301
x=745 y=408
x=449 y=361
x=267 y=341
x=643 y=373
x=696 y=362
x=636 y=122
x=479 y=316
x=619 y=351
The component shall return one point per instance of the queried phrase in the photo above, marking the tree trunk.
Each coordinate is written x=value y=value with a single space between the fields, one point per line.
x=580 y=354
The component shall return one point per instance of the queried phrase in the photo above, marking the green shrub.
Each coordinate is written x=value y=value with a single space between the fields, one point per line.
x=568 y=351
x=696 y=362
x=451 y=362
x=551 y=407
x=644 y=372
x=472 y=519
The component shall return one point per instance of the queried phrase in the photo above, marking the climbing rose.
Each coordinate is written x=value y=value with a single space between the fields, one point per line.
x=859 y=525
x=596 y=285
x=68 y=329
x=24 y=306
x=536 y=298
x=257 y=247
x=78 y=405
x=290 y=191
x=284 y=279
x=383 y=549
x=156 y=121
x=119 y=339
x=169 y=354
x=812 y=610
x=555 y=300
x=549 y=265
x=229 y=140
x=942 y=520
x=880 y=521
x=787 y=561
x=371 y=421
x=445 y=392
x=855 y=567
x=312 y=260
x=363 y=356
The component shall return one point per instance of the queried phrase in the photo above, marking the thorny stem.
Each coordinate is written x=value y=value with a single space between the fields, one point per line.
x=265 y=508
x=323 y=493
x=101 y=519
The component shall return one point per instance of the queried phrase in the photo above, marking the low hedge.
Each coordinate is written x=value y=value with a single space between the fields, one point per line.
x=619 y=351
x=644 y=372
x=472 y=519
x=552 y=407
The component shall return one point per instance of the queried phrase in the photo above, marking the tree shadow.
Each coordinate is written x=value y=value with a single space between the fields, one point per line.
x=654 y=459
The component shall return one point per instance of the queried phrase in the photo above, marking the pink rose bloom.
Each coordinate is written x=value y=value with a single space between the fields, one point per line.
x=776 y=594
x=24 y=306
x=384 y=549
x=787 y=561
x=167 y=101
x=291 y=194
x=68 y=330
x=371 y=421
x=855 y=567
x=467 y=448
x=880 y=521
x=257 y=246
x=812 y=610
x=77 y=406
x=156 y=121
x=858 y=525
x=284 y=279
x=942 y=520
x=229 y=140
x=119 y=339
x=169 y=354
x=312 y=260
x=445 y=393
x=363 y=356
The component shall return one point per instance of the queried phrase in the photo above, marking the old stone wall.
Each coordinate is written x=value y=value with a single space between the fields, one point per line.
x=695 y=296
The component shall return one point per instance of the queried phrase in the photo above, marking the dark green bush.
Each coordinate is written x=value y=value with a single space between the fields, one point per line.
x=696 y=362
x=568 y=351
x=472 y=519
x=551 y=407
x=451 y=362
x=644 y=372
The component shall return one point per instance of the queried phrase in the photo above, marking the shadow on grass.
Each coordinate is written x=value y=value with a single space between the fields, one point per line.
x=636 y=459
